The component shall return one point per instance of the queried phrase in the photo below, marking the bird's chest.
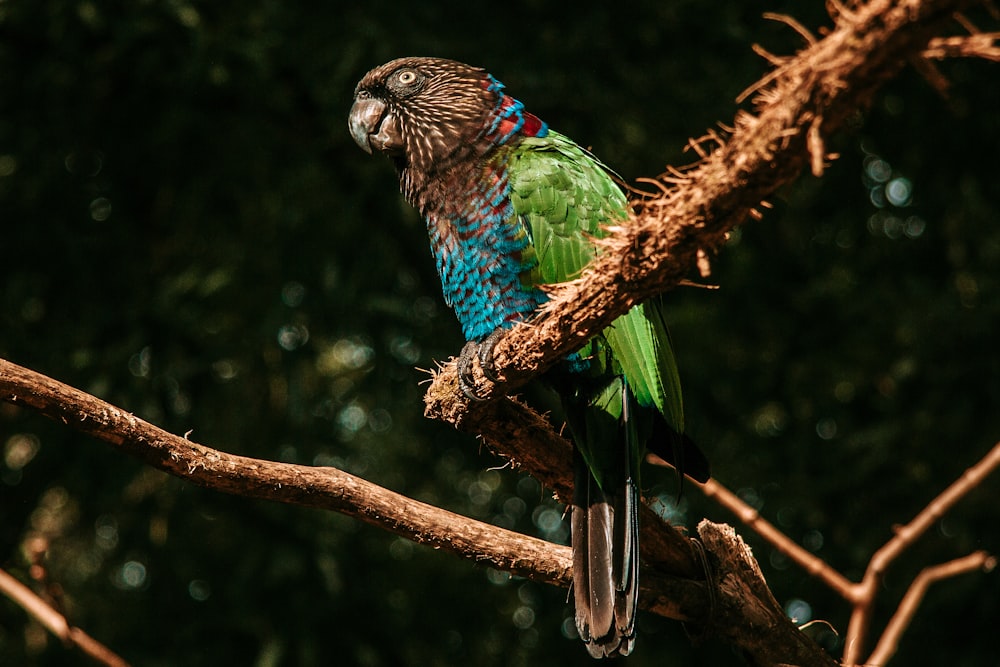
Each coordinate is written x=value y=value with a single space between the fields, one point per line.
x=482 y=252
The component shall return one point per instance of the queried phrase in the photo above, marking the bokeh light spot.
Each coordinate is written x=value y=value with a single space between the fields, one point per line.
x=799 y=611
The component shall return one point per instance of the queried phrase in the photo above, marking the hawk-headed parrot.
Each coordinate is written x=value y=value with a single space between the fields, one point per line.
x=511 y=205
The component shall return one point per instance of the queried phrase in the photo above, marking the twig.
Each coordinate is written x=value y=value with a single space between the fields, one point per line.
x=862 y=595
x=984 y=45
x=55 y=622
x=811 y=563
x=887 y=644
x=866 y=591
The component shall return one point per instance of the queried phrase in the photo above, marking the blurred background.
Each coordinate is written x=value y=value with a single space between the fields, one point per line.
x=190 y=233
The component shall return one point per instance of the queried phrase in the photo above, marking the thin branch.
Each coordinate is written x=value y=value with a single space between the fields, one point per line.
x=792 y=23
x=886 y=648
x=56 y=623
x=866 y=591
x=809 y=562
x=862 y=595
x=984 y=45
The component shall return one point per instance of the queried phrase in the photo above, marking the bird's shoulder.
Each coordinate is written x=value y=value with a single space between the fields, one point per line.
x=555 y=177
x=566 y=197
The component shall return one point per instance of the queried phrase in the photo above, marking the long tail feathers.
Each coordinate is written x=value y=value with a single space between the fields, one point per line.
x=605 y=538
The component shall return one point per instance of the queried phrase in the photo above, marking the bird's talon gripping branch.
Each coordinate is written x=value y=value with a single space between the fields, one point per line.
x=486 y=356
x=466 y=379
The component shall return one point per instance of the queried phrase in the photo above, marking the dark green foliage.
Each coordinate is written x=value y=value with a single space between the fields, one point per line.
x=191 y=234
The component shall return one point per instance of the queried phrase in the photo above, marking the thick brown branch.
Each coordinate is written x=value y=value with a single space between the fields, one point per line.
x=323 y=488
x=818 y=89
x=718 y=609
x=746 y=611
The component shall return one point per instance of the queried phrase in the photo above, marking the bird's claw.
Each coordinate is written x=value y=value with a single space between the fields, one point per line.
x=466 y=380
x=484 y=353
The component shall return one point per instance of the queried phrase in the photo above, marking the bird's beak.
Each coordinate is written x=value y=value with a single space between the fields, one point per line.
x=373 y=128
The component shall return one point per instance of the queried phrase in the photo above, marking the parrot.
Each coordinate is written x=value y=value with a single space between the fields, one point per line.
x=511 y=206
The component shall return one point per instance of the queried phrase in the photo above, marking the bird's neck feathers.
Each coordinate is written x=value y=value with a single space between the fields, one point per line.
x=508 y=118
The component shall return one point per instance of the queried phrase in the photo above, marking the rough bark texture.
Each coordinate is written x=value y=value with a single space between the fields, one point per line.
x=322 y=488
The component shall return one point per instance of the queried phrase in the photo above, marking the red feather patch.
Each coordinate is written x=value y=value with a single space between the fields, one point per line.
x=532 y=124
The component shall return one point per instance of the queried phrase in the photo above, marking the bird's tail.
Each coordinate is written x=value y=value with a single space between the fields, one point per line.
x=605 y=540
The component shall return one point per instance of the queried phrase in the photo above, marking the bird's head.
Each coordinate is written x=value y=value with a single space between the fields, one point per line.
x=422 y=111
x=429 y=113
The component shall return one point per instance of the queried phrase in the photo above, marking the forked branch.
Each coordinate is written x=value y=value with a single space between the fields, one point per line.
x=861 y=595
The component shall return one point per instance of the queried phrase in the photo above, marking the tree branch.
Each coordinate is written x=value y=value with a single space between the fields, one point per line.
x=865 y=592
x=798 y=105
x=707 y=604
x=56 y=623
x=886 y=647
x=862 y=595
x=317 y=487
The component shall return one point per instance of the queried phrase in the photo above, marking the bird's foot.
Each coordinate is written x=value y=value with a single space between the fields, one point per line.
x=484 y=353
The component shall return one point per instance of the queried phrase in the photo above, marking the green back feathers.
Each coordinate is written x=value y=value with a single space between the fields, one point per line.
x=565 y=195
x=567 y=198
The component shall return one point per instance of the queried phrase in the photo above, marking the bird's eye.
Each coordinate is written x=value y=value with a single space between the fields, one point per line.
x=406 y=77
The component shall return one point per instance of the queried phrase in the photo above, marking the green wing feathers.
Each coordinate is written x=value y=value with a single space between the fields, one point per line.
x=568 y=198
x=640 y=343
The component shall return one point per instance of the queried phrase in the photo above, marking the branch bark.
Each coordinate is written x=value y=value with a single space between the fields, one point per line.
x=798 y=106
x=721 y=608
